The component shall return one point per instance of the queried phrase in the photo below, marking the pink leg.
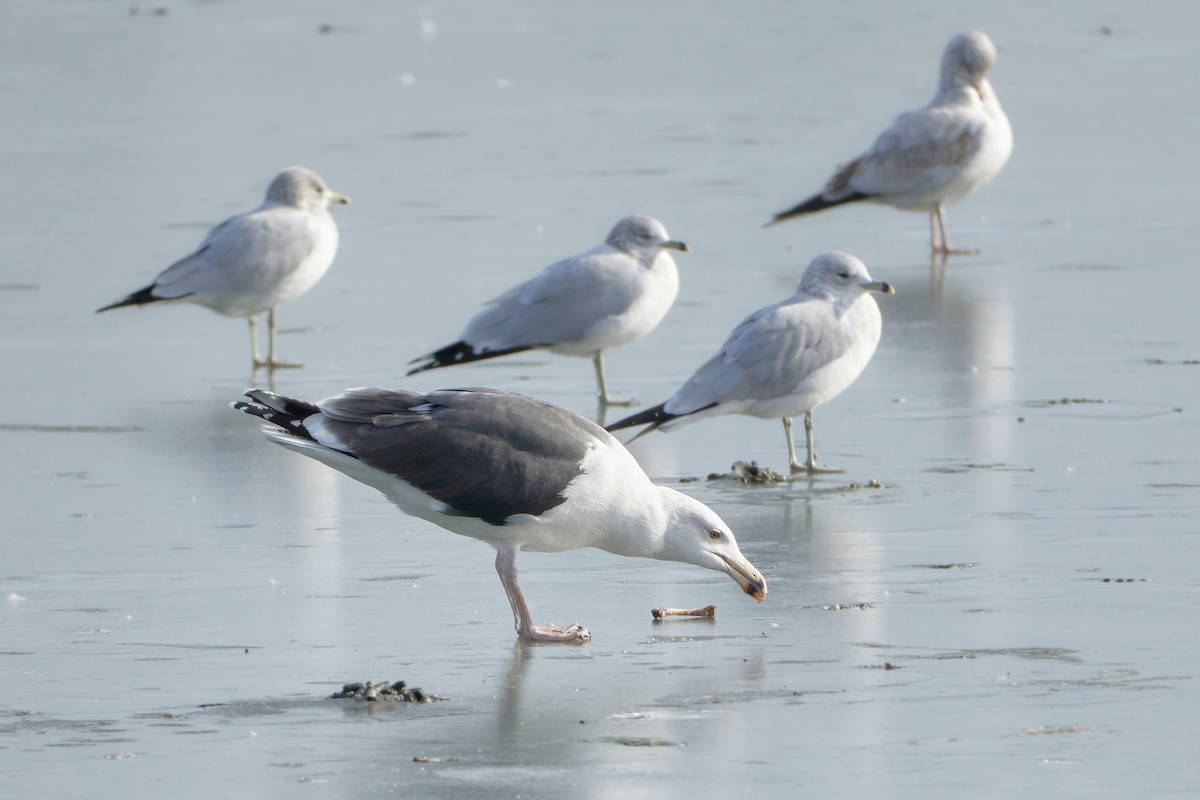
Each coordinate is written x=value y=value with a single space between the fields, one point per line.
x=506 y=567
x=943 y=246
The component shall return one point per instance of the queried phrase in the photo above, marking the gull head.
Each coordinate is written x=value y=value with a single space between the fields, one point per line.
x=840 y=275
x=643 y=236
x=696 y=535
x=968 y=58
x=302 y=188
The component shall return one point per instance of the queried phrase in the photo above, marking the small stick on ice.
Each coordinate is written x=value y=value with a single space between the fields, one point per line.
x=663 y=613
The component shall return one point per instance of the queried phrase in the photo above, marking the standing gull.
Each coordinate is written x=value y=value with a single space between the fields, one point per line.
x=512 y=471
x=933 y=156
x=786 y=358
x=256 y=261
x=581 y=306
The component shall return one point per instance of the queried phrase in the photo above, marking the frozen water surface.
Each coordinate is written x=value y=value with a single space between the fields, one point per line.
x=178 y=598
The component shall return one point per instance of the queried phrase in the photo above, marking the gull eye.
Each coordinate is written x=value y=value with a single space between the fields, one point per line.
x=843 y=274
x=714 y=535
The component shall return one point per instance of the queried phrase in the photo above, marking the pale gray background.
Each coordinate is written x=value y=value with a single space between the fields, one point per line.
x=158 y=554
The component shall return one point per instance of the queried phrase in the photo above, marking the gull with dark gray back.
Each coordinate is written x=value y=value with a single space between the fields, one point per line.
x=509 y=470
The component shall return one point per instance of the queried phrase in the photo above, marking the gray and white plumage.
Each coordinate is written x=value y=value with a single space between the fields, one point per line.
x=509 y=470
x=933 y=156
x=785 y=359
x=256 y=261
x=580 y=306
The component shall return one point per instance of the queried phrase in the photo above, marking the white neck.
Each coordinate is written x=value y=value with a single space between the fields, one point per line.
x=637 y=528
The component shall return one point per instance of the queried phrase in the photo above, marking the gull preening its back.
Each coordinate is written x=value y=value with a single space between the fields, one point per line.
x=509 y=470
x=785 y=359
x=256 y=261
x=934 y=156
x=581 y=306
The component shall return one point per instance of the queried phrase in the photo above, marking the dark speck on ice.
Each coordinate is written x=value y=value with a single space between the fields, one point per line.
x=750 y=474
x=384 y=691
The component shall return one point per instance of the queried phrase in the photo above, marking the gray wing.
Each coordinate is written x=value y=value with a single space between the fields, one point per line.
x=242 y=253
x=481 y=452
x=768 y=356
x=558 y=305
x=919 y=151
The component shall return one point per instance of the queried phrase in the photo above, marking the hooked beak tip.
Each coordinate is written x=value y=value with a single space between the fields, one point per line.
x=749 y=578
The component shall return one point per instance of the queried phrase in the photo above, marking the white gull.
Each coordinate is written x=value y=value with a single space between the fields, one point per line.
x=933 y=156
x=580 y=306
x=785 y=359
x=256 y=261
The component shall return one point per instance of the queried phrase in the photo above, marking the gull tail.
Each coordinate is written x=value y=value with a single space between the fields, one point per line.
x=459 y=353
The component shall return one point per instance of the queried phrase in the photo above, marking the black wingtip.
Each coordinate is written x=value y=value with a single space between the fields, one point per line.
x=289 y=406
x=139 y=298
x=459 y=353
x=818 y=202
x=428 y=364
x=652 y=416
x=287 y=413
